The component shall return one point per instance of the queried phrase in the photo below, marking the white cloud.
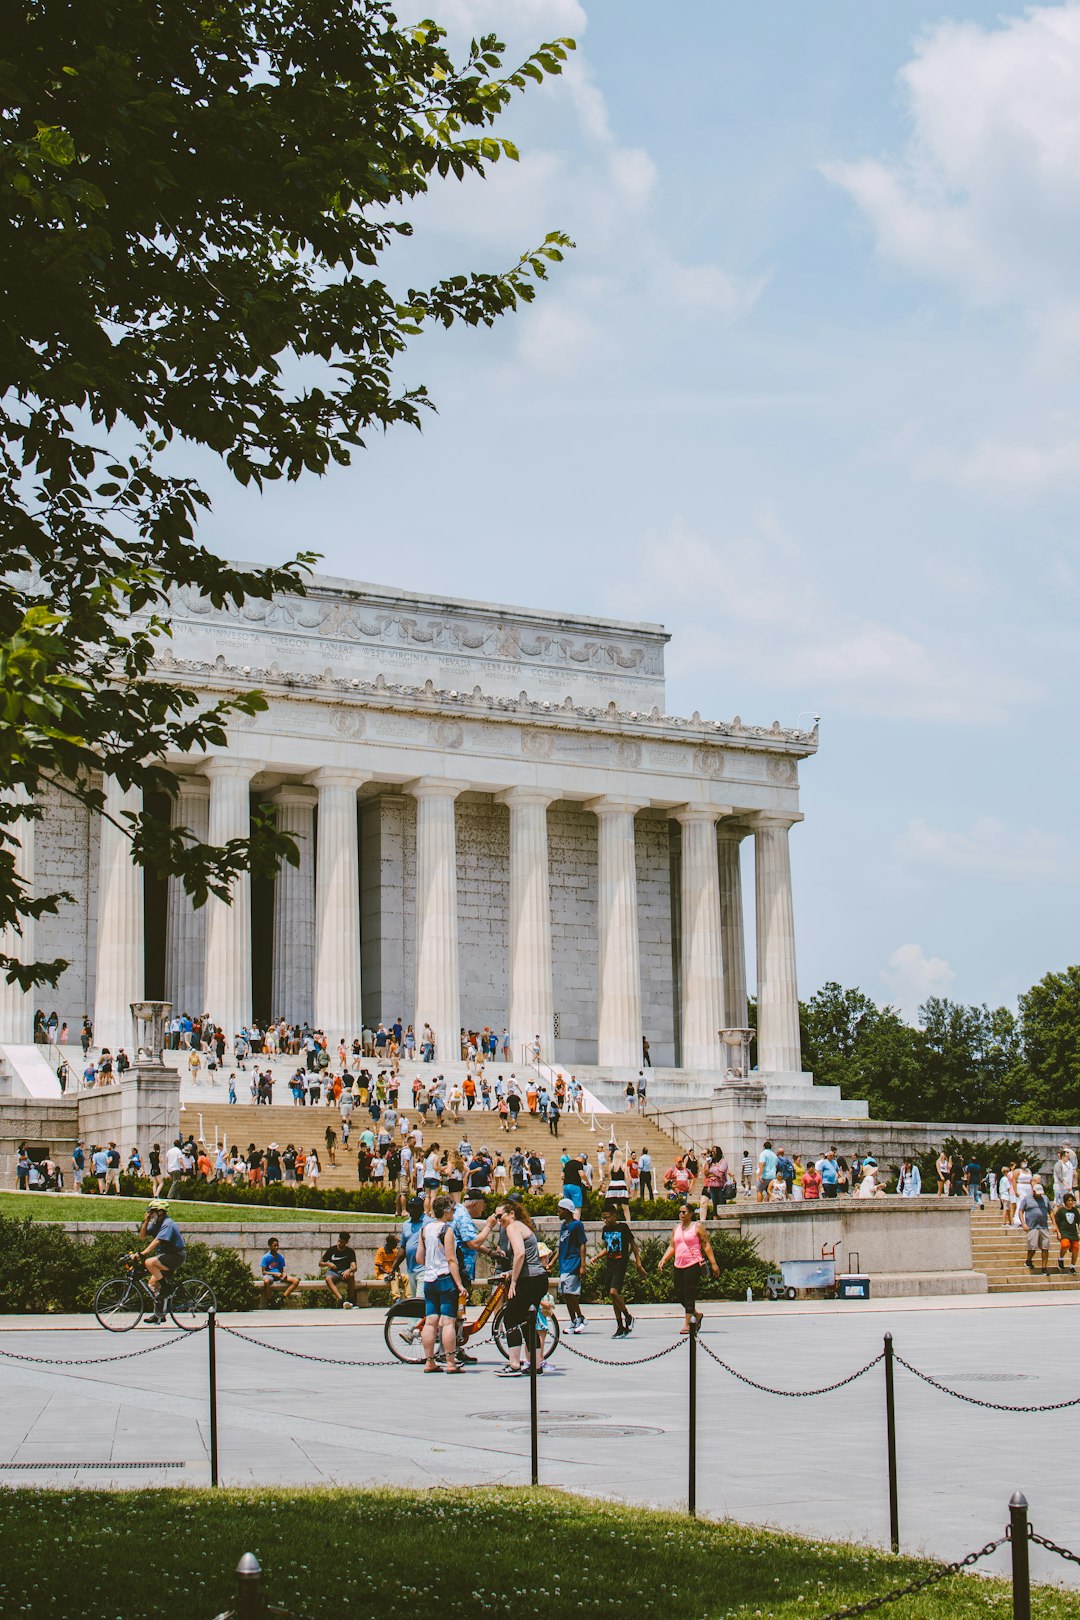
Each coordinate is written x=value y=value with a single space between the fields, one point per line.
x=986 y=195
x=756 y=601
x=990 y=850
x=1008 y=467
x=912 y=976
x=556 y=339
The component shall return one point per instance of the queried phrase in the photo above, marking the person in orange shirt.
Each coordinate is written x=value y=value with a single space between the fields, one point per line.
x=337 y=1088
x=531 y=1099
x=205 y=1168
x=469 y=1090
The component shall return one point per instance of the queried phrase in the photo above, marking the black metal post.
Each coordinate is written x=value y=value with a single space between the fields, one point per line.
x=249 y=1601
x=211 y=1339
x=890 y=1429
x=534 y=1411
x=1021 y=1572
x=691 y=1487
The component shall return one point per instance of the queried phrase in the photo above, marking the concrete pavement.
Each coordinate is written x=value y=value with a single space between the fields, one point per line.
x=816 y=1466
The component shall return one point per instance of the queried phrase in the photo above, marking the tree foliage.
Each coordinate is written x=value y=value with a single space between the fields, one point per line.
x=965 y=1064
x=197 y=199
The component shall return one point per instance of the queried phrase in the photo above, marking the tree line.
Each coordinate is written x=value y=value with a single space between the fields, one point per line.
x=970 y=1064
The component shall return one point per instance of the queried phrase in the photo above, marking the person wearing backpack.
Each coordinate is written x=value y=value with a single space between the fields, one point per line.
x=437 y=1252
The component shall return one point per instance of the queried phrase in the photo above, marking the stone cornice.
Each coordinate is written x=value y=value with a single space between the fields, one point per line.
x=431 y=700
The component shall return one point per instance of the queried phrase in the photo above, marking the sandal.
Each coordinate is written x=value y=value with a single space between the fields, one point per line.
x=449 y=1370
x=433 y=1369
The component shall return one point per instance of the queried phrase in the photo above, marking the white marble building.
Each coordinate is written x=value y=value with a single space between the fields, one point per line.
x=499 y=824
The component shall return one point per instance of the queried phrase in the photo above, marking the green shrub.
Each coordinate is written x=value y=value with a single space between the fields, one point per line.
x=737 y=1257
x=45 y=1270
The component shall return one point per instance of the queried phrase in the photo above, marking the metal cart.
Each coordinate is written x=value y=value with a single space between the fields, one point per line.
x=804 y=1276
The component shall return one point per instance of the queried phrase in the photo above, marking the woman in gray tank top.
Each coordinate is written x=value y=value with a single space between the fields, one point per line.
x=528 y=1285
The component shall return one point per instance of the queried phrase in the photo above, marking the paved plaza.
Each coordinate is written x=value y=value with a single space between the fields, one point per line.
x=816 y=1466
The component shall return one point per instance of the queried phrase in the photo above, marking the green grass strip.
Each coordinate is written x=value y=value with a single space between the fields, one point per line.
x=501 y=1553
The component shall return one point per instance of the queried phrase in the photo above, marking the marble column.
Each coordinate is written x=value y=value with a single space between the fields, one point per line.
x=532 y=998
x=778 y=998
x=729 y=836
x=292 y=995
x=702 y=968
x=337 y=907
x=438 y=996
x=120 y=962
x=227 y=968
x=17 y=1006
x=185 y=941
x=619 y=980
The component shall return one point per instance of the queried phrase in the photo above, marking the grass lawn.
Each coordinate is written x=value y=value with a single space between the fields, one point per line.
x=170 y=1555
x=130 y=1211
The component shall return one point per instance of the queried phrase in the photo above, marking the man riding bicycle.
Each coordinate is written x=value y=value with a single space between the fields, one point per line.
x=165 y=1251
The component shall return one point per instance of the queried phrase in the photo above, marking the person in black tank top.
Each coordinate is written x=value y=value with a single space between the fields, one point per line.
x=528 y=1284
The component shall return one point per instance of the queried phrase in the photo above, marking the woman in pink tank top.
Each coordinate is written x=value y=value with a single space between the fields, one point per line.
x=690 y=1248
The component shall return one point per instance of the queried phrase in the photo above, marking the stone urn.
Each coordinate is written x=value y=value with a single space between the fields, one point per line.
x=150 y=1019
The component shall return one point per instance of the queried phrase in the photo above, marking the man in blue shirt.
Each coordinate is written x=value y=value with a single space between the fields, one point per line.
x=573 y=1246
x=766 y=1171
x=99 y=1159
x=471 y=1238
x=829 y=1173
x=410 y=1237
x=165 y=1251
x=272 y=1266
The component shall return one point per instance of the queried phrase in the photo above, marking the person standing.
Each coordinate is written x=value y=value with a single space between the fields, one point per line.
x=620 y=1248
x=1034 y=1213
x=645 y=1057
x=766 y=1171
x=528 y=1284
x=645 y=1174
x=573 y=1253
x=436 y=1251
x=1067 y=1226
x=78 y=1168
x=909 y=1181
x=829 y=1171
x=690 y=1248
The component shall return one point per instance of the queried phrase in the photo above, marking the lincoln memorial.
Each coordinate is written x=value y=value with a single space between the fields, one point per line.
x=499 y=823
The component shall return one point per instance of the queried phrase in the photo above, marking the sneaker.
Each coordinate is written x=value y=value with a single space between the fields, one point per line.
x=619 y=1333
x=1061 y=1265
x=628 y=1326
x=1030 y=1265
x=468 y=1361
x=578 y=1326
x=510 y=1372
x=346 y=1304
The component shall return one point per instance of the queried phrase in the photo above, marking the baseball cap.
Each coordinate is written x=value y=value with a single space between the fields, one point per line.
x=568 y=1204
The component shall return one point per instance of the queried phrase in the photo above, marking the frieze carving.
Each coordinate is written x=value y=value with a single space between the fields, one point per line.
x=537 y=744
x=334 y=619
x=709 y=762
x=446 y=733
x=628 y=753
x=349 y=723
x=780 y=770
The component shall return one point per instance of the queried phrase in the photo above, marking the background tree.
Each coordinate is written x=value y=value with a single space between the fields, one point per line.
x=1050 y=1039
x=196 y=199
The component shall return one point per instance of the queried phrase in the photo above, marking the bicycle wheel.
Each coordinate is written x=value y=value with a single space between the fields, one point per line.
x=189 y=1302
x=119 y=1304
x=401 y=1330
x=551 y=1341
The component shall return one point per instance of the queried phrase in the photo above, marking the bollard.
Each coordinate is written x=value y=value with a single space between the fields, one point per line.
x=211 y=1339
x=1021 y=1573
x=890 y=1430
x=249 y=1602
x=691 y=1486
x=534 y=1412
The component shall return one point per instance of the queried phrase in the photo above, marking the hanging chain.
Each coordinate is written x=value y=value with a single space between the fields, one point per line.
x=975 y=1400
x=936 y=1575
x=94 y=1361
x=306 y=1355
x=611 y=1361
x=792 y=1394
x=1052 y=1546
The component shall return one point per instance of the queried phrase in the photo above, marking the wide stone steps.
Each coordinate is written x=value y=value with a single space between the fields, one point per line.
x=1000 y=1251
x=244 y=1123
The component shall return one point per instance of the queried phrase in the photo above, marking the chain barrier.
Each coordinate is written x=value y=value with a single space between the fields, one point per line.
x=975 y=1400
x=936 y=1575
x=94 y=1361
x=792 y=1394
x=611 y=1361
x=1052 y=1546
x=306 y=1355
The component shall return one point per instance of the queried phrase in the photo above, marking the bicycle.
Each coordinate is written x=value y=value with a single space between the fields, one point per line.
x=121 y=1303
x=401 y=1329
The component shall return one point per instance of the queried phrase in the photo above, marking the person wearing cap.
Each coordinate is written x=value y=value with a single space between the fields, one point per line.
x=1034 y=1213
x=165 y=1250
x=573 y=1252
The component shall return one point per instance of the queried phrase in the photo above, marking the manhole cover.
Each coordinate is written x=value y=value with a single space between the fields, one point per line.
x=547 y=1415
x=588 y=1431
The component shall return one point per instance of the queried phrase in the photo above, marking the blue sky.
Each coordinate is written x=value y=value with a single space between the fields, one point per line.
x=807 y=393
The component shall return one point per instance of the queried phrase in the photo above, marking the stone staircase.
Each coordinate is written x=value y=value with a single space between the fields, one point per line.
x=1000 y=1252
x=213 y=1121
